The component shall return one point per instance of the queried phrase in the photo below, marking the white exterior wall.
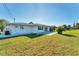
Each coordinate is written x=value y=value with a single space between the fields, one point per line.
x=26 y=30
x=38 y=31
x=35 y=29
x=48 y=28
x=18 y=30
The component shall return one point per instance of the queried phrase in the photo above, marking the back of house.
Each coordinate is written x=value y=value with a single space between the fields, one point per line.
x=26 y=28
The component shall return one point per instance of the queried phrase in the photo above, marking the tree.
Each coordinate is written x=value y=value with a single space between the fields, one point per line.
x=3 y=22
x=77 y=25
x=54 y=28
x=69 y=27
x=64 y=27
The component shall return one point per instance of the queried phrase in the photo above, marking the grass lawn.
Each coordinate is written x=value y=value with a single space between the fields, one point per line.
x=66 y=44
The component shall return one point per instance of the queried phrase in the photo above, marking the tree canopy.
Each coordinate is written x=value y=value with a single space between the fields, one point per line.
x=3 y=22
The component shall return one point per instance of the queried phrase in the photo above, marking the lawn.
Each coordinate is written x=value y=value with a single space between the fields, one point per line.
x=43 y=45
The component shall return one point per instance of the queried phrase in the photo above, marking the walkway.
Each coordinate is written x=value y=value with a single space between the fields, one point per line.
x=48 y=33
x=52 y=33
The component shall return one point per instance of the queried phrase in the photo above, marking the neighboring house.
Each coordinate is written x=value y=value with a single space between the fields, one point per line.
x=26 y=28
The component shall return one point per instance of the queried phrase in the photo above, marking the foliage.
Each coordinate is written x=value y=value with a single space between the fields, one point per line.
x=53 y=28
x=67 y=27
x=64 y=27
x=3 y=22
x=60 y=30
x=77 y=25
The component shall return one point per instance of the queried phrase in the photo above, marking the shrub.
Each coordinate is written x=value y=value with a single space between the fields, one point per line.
x=60 y=30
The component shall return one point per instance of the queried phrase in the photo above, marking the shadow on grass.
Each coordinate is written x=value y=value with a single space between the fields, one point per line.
x=33 y=35
x=27 y=35
x=69 y=35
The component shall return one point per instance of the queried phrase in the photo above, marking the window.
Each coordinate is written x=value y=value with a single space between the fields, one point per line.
x=16 y=26
x=40 y=27
x=21 y=27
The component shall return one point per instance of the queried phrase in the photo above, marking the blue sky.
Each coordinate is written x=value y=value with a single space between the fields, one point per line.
x=49 y=14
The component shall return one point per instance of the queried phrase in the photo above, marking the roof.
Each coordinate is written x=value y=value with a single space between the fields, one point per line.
x=26 y=24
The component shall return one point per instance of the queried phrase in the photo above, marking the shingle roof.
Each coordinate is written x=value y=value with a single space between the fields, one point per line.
x=26 y=24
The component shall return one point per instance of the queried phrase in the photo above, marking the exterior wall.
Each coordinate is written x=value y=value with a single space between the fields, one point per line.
x=26 y=29
x=18 y=30
x=39 y=31
x=36 y=30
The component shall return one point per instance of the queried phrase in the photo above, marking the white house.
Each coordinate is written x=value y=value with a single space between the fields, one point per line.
x=26 y=28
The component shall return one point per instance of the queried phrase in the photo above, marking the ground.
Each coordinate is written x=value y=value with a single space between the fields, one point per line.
x=43 y=45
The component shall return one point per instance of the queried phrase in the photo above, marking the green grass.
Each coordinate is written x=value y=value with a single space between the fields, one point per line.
x=43 y=45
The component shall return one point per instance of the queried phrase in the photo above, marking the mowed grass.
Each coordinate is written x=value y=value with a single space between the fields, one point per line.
x=54 y=45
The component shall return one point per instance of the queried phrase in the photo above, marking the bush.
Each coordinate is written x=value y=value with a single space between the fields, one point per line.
x=7 y=33
x=60 y=30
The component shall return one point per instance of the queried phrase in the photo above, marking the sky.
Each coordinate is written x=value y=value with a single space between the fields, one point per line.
x=42 y=13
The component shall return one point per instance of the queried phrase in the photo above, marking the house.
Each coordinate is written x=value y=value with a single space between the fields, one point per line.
x=26 y=28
